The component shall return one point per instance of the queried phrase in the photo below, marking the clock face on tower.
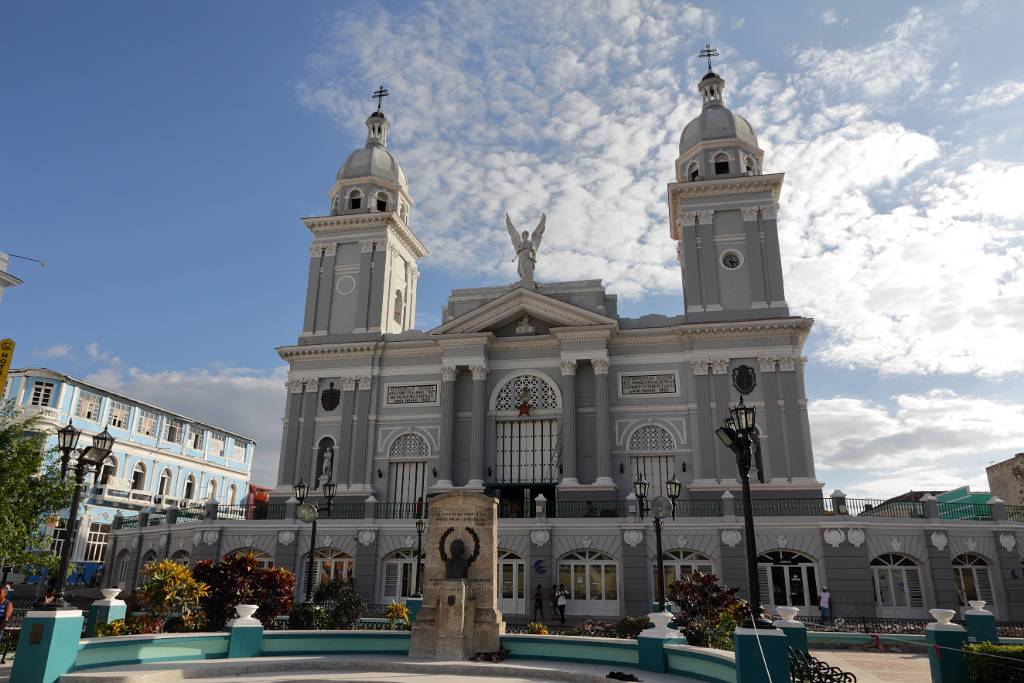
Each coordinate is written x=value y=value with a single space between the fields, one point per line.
x=731 y=260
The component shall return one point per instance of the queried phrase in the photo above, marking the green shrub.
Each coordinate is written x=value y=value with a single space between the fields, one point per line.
x=307 y=617
x=990 y=662
x=240 y=580
x=707 y=611
x=132 y=626
x=630 y=627
x=536 y=628
x=343 y=605
x=397 y=613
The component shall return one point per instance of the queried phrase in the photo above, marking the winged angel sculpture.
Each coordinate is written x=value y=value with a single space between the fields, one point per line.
x=527 y=247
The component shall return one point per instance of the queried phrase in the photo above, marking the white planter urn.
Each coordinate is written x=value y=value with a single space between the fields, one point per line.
x=787 y=614
x=942 y=616
x=977 y=605
x=245 y=617
x=110 y=593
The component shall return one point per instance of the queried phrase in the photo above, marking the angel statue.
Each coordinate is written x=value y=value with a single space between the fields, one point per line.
x=527 y=247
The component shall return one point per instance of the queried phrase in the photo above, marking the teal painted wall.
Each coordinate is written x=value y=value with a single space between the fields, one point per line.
x=335 y=642
x=572 y=649
x=700 y=666
x=140 y=649
x=53 y=653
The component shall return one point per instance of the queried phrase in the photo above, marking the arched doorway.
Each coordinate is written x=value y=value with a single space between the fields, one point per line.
x=973 y=580
x=511 y=583
x=897 y=583
x=399 y=580
x=592 y=579
x=181 y=557
x=788 y=579
x=680 y=563
x=331 y=563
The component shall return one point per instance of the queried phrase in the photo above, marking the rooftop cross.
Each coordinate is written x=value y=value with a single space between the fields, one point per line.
x=708 y=52
x=382 y=93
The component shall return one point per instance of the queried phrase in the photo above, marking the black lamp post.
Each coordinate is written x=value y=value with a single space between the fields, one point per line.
x=420 y=524
x=91 y=457
x=740 y=435
x=661 y=508
x=310 y=515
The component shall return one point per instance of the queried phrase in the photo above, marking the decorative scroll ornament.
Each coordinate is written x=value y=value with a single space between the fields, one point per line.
x=540 y=537
x=325 y=541
x=632 y=537
x=683 y=542
x=210 y=536
x=285 y=537
x=744 y=379
x=782 y=541
x=586 y=542
x=330 y=398
x=197 y=537
x=804 y=667
x=366 y=536
x=834 y=537
x=248 y=541
x=939 y=540
x=731 y=537
x=971 y=544
x=896 y=544
x=1008 y=541
x=409 y=541
x=856 y=537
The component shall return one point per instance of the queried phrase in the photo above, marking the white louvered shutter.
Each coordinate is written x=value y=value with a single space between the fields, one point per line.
x=984 y=585
x=914 y=587
x=762 y=579
x=391 y=579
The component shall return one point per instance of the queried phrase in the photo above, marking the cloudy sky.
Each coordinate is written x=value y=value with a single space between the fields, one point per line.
x=158 y=157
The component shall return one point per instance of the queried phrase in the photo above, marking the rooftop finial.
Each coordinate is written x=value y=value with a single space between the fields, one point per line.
x=382 y=92
x=707 y=53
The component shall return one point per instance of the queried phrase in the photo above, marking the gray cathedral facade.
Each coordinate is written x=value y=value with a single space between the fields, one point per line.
x=542 y=395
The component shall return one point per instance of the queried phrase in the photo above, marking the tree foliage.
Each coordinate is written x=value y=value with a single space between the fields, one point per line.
x=31 y=486
x=169 y=590
x=707 y=612
x=342 y=604
x=240 y=580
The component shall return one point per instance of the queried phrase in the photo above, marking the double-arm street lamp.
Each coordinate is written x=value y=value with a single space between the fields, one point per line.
x=740 y=435
x=90 y=457
x=310 y=513
x=660 y=508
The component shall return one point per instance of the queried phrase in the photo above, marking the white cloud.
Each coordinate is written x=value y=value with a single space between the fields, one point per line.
x=242 y=400
x=55 y=351
x=999 y=95
x=97 y=355
x=936 y=440
x=831 y=16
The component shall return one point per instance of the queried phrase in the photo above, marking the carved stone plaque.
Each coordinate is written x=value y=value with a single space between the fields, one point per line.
x=406 y=394
x=639 y=385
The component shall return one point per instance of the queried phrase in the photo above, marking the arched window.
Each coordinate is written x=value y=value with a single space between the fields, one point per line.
x=680 y=563
x=721 y=164
x=527 y=432
x=331 y=563
x=692 y=171
x=164 y=487
x=139 y=477
x=787 y=578
x=190 y=488
x=211 y=489
x=148 y=558
x=540 y=394
x=656 y=469
x=232 y=494
x=399 y=306
x=263 y=558
x=400 y=580
x=973 y=580
x=748 y=165
x=108 y=470
x=591 y=577
x=355 y=199
x=407 y=474
x=897 y=581
x=382 y=201
x=181 y=557
x=123 y=566
x=511 y=582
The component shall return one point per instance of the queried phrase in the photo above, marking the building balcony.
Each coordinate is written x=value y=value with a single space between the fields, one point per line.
x=41 y=412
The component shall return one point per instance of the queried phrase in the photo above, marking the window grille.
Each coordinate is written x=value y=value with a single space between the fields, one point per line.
x=88 y=406
x=42 y=392
x=174 y=431
x=147 y=423
x=118 y=416
x=409 y=446
x=540 y=393
x=527 y=451
x=96 y=542
x=656 y=469
x=651 y=438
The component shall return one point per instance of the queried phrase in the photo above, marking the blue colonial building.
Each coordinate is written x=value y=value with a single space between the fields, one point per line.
x=161 y=460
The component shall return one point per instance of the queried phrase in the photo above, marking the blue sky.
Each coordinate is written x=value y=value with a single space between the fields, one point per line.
x=158 y=156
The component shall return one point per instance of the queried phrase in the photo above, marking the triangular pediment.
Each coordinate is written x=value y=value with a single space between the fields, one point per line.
x=514 y=305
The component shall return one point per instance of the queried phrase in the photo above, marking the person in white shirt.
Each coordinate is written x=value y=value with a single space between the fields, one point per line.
x=825 y=603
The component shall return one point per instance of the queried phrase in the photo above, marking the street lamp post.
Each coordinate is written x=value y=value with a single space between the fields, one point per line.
x=740 y=435
x=310 y=514
x=420 y=524
x=660 y=508
x=91 y=457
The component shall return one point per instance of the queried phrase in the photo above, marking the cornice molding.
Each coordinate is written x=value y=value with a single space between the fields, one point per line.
x=680 y=192
x=322 y=226
x=513 y=304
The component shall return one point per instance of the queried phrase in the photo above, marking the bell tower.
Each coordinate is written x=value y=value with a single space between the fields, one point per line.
x=722 y=214
x=363 y=260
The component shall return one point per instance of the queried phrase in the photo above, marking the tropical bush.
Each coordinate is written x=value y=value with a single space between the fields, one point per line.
x=398 y=613
x=169 y=590
x=307 y=617
x=991 y=662
x=240 y=580
x=630 y=627
x=707 y=611
x=131 y=626
x=343 y=606
x=536 y=628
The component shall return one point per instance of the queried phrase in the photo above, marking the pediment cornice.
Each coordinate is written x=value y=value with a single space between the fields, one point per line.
x=522 y=301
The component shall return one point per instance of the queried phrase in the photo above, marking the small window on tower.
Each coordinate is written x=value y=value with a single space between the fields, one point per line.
x=382 y=201
x=721 y=164
x=692 y=171
x=355 y=200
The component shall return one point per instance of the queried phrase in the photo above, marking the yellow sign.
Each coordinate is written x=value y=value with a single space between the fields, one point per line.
x=6 y=355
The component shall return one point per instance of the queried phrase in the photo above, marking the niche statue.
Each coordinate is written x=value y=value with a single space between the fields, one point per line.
x=457 y=563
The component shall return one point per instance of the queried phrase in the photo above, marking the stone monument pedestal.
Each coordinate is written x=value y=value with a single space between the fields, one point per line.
x=459 y=616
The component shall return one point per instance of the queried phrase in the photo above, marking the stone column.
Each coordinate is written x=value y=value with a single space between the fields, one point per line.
x=710 y=468
x=773 y=260
x=569 y=424
x=361 y=469
x=718 y=383
x=755 y=258
x=478 y=450
x=325 y=294
x=601 y=422
x=344 y=457
x=290 y=437
x=304 y=446
x=773 y=448
x=447 y=437
x=376 y=300
x=708 y=261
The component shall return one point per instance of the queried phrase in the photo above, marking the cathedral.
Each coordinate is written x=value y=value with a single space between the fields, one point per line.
x=542 y=395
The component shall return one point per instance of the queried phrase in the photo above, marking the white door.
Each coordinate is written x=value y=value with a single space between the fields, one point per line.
x=512 y=586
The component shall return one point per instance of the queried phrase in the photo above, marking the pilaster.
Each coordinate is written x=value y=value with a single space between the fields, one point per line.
x=569 y=477
x=306 y=460
x=602 y=422
x=325 y=288
x=343 y=458
x=290 y=437
x=360 y=467
x=447 y=436
x=477 y=434
x=755 y=260
x=708 y=262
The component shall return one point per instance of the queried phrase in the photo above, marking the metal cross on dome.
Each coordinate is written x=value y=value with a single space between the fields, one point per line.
x=380 y=94
x=707 y=53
